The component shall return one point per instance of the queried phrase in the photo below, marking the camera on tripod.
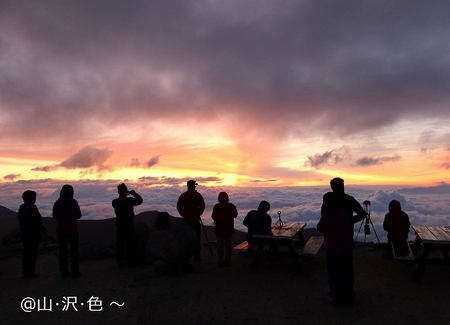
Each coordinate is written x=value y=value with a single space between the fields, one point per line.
x=366 y=204
x=367 y=222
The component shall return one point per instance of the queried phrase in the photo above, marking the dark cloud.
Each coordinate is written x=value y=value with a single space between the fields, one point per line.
x=86 y=158
x=333 y=156
x=135 y=162
x=11 y=177
x=371 y=161
x=365 y=64
x=153 y=161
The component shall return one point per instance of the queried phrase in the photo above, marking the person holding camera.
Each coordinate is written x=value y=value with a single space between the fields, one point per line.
x=125 y=235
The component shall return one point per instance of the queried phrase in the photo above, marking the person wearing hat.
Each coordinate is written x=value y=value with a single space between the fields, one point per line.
x=125 y=236
x=190 y=206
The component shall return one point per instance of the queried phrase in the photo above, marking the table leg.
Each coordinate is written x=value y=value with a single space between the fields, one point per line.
x=294 y=256
x=421 y=264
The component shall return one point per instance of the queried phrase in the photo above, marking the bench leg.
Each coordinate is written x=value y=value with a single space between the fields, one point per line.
x=421 y=264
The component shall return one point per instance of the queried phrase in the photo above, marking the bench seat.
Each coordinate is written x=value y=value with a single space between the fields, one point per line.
x=312 y=247
x=402 y=252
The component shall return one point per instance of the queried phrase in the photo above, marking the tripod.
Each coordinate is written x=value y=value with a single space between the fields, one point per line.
x=367 y=222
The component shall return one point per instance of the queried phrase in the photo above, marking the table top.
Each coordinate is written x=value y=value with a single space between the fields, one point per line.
x=433 y=234
x=287 y=230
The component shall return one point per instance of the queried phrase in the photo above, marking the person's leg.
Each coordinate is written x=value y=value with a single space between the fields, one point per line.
x=197 y=228
x=333 y=278
x=347 y=277
x=227 y=246
x=220 y=249
x=63 y=254
x=74 y=254
x=131 y=245
x=27 y=258
x=120 y=245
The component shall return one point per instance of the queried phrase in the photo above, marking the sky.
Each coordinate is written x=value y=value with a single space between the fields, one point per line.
x=231 y=93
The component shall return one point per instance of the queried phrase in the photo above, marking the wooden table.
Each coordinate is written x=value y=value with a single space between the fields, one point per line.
x=281 y=236
x=431 y=238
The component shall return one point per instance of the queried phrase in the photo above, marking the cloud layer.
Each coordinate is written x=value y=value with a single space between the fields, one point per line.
x=425 y=205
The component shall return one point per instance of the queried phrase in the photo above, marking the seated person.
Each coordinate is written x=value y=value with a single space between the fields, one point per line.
x=258 y=222
x=396 y=223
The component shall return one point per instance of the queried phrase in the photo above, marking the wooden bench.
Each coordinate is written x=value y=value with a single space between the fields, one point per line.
x=312 y=247
x=242 y=248
x=403 y=252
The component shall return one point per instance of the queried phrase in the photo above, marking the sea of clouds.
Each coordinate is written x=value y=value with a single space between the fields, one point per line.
x=424 y=205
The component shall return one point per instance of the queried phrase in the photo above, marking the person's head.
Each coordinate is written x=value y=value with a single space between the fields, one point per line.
x=162 y=221
x=223 y=197
x=66 y=192
x=29 y=196
x=395 y=205
x=122 y=189
x=191 y=184
x=337 y=185
x=264 y=207
x=331 y=203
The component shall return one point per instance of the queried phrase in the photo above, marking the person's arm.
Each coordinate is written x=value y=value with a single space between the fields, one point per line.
x=246 y=220
x=235 y=211
x=137 y=199
x=321 y=225
x=76 y=210
x=180 y=205
x=358 y=209
x=201 y=206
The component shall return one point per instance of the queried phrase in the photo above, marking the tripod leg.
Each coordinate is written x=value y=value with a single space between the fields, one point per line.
x=356 y=238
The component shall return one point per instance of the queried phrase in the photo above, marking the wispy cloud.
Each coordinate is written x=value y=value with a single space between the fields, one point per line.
x=371 y=161
x=86 y=158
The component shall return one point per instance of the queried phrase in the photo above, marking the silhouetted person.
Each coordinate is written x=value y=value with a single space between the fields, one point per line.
x=66 y=211
x=258 y=222
x=223 y=215
x=338 y=243
x=396 y=223
x=125 y=234
x=349 y=204
x=30 y=222
x=190 y=206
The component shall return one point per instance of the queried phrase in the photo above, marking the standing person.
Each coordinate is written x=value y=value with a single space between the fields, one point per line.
x=30 y=222
x=125 y=235
x=66 y=211
x=349 y=204
x=190 y=206
x=223 y=215
x=396 y=223
x=338 y=242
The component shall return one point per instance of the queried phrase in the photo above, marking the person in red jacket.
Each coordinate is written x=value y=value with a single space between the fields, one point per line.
x=190 y=206
x=396 y=223
x=223 y=215
x=334 y=224
x=66 y=211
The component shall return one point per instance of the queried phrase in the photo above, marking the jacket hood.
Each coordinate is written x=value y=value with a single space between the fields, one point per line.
x=394 y=206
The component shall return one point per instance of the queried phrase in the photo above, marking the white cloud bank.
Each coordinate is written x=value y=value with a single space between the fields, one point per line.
x=425 y=206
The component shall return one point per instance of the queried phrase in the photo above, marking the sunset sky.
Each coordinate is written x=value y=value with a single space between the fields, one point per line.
x=248 y=93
